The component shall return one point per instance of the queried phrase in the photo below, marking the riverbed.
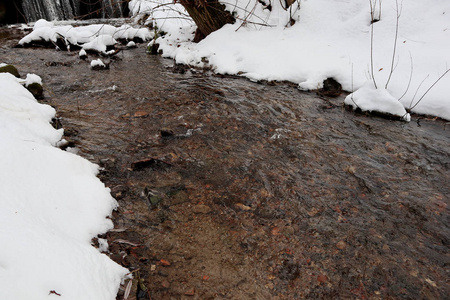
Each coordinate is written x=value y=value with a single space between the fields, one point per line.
x=232 y=189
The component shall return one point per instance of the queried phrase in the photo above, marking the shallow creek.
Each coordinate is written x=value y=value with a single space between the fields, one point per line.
x=230 y=189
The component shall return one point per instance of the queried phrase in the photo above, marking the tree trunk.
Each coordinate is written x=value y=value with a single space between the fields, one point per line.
x=208 y=15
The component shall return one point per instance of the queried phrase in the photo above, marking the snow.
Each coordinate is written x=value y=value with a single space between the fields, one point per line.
x=368 y=98
x=100 y=43
x=95 y=37
x=32 y=78
x=330 y=38
x=82 y=53
x=97 y=62
x=165 y=15
x=51 y=206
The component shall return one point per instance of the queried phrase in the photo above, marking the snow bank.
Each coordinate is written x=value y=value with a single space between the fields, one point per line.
x=95 y=37
x=51 y=206
x=330 y=38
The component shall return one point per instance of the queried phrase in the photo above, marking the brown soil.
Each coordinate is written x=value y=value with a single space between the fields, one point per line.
x=229 y=189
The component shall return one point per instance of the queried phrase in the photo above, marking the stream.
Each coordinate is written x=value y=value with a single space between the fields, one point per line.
x=231 y=189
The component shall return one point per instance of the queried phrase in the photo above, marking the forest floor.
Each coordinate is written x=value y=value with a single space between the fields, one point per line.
x=230 y=189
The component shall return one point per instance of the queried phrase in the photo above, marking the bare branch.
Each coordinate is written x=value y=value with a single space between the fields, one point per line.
x=398 y=14
x=417 y=90
x=410 y=77
x=371 y=43
x=434 y=83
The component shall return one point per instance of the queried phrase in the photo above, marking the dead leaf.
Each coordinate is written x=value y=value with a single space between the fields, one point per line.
x=164 y=262
x=53 y=292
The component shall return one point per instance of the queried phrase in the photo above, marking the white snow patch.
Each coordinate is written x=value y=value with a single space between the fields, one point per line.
x=103 y=245
x=368 y=98
x=33 y=78
x=97 y=62
x=100 y=43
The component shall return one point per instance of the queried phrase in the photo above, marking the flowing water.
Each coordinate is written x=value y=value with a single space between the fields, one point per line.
x=230 y=189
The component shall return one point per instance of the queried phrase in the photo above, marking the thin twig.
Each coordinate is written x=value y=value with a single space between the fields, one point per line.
x=434 y=83
x=410 y=76
x=371 y=43
x=398 y=13
x=417 y=90
x=351 y=97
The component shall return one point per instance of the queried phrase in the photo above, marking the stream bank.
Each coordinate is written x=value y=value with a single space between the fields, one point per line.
x=230 y=189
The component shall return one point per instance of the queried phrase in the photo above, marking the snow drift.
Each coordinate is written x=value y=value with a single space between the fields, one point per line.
x=51 y=206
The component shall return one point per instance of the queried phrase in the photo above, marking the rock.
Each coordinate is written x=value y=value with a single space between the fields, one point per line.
x=322 y=278
x=131 y=44
x=243 y=206
x=36 y=89
x=153 y=48
x=154 y=200
x=166 y=132
x=190 y=292
x=201 y=209
x=82 y=55
x=288 y=230
x=141 y=114
x=149 y=163
x=178 y=198
x=9 y=69
x=180 y=68
x=341 y=245
x=165 y=284
x=331 y=88
x=98 y=64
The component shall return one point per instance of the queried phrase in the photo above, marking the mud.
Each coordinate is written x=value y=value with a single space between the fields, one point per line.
x=230 y=189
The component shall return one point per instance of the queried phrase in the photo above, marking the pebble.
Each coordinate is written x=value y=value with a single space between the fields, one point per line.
x=341 y=245
x=166 y=132
x=141 y=114
x=190 y=292
x=288 y=230
x=165 y=284
x=201 y=209
x=322 y=278
x=243 y=206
